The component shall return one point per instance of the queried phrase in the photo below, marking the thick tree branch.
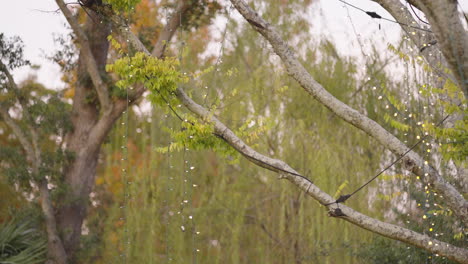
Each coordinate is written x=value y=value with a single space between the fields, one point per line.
x=279 y=166
x=453 y=198
x=91 y=65
x=451 y=36
x=159 y=48
x=447 y=28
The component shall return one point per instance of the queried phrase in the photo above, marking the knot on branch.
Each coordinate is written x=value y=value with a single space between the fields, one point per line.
x=408 y=164
x=336 y=213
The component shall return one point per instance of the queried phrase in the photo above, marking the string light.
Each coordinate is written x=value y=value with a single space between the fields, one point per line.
x=377 y=16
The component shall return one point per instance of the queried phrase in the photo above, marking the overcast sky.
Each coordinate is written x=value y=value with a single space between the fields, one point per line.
x=35 y=24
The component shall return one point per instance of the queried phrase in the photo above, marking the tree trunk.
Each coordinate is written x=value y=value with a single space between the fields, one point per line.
x=79 y=177
x=56 y=250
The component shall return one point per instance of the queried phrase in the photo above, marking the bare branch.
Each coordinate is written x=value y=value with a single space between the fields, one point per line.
x=91 y=65
x=295 y=69
x=169 y=30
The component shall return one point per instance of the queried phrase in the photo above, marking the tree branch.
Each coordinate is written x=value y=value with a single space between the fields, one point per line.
x=295 y=69
x=447 y=29
x=23 y=139
x=169 y=30
x=123 y=30
x=91 y=65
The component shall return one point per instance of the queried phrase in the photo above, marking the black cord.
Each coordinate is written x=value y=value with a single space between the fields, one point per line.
x=464 y=14
x=414 y=12
x=343 y=198
x=377 y=16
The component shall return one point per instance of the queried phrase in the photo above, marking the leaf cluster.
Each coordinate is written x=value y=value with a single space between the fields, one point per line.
x=11 y=52
x=197 y=135
x=159 y=76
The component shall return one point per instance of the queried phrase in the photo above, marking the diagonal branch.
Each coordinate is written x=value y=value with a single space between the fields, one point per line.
x=295 y=69
x=347 y=213
x=23 y=139
x=91 y=65
x=169 y=30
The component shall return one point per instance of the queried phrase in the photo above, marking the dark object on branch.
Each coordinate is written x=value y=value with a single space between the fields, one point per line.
x=341 y=199
x=336 y=213
x=373 y=14
x=431 y=43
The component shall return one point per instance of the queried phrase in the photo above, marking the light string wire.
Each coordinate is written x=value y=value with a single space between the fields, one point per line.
x=416 y=14
x=187 y=191
x=168 y=186
x=168 y=189
x=220 y=53
x=343 y=198
x=125 y=180
x=377 y=16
